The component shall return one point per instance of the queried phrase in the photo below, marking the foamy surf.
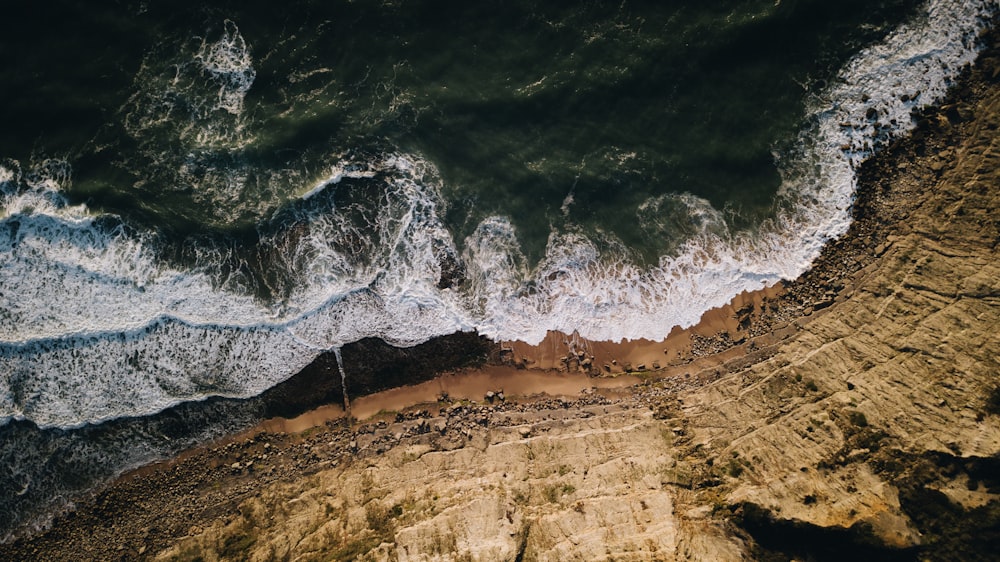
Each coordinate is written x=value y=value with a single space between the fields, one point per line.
x=578 y=288
x=138 y=337
x=139 y=334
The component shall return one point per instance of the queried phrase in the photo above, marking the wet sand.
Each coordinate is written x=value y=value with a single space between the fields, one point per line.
x=678 y=348
x=472 y=385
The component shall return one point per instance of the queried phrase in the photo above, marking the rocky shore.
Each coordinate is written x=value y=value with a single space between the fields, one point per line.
x=852 y=413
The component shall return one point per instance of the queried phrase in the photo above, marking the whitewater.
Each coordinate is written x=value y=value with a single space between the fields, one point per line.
x=96 y=325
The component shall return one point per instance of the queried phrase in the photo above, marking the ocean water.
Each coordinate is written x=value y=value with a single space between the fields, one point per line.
x=197 y=200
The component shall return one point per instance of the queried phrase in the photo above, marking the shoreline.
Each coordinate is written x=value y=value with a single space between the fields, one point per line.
x=746 y=332
x=525 y=373
x=751 y=322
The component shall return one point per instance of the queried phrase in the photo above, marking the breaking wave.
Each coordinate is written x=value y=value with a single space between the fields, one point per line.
x=96 y=324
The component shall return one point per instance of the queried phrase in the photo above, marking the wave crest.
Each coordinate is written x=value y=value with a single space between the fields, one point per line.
x=140 y=334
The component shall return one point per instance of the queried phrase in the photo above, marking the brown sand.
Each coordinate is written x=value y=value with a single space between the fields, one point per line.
x=555 y=351
x=553 y=367
x=468 y=385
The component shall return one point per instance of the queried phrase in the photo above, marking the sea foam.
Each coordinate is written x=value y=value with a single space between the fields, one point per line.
x=577 y=288
x=95 y=325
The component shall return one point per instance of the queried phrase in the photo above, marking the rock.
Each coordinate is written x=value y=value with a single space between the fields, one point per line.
x=541 y=504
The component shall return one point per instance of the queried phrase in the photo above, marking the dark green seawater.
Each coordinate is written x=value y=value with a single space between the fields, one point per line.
x=518 y=104
x=198 y=199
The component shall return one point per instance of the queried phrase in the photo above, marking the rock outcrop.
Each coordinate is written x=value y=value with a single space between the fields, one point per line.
x=585 y=483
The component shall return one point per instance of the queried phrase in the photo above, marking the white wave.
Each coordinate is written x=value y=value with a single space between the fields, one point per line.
x=41 y=184
x=603 y=297
x=190 y=93
x=94 y=325
x=338 y=172
x=8 y=177
x=228 y=61
x=76 y=380
x=187 y=120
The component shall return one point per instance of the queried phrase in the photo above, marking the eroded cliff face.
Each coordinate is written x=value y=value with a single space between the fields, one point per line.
x=872 y=431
